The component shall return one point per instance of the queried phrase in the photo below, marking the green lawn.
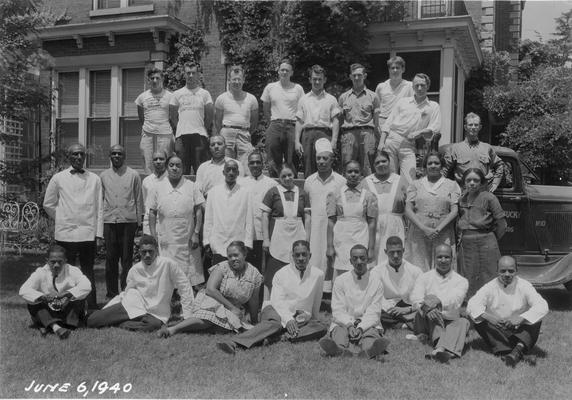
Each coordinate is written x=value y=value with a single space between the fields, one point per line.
x=191 y=366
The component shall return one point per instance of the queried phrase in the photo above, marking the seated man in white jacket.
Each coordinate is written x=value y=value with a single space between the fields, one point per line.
x=507 y=313
x=145 y=304
x=293 y=307
x=437 y=296
x=356 y=307
x=56 y=294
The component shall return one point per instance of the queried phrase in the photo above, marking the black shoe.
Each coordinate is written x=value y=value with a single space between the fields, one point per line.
x=377 y=348
x=442 y=356
x=63 y=333
x=227 y=346
x=329 y=346
x=513 y=357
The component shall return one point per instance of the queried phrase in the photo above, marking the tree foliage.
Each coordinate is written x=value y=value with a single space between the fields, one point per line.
x=540 y=119
x=20 y=54
x=188 y=46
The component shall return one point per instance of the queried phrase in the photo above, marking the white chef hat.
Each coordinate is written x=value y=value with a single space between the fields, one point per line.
x=323 y=145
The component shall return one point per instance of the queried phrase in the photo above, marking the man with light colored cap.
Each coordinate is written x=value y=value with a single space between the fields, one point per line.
x=321 y=187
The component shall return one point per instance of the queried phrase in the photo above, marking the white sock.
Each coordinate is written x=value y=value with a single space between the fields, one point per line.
x=56 y=327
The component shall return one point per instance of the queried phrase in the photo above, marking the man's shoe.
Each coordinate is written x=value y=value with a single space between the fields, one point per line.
x=63 y=333
x=513 y=357
x=442 y=356
x=227 y=346
x=377 y=348
x=329 y=346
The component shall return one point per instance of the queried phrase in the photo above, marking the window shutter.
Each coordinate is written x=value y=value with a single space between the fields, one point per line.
x=133 y=83
x=99 y=93
x=68 y=94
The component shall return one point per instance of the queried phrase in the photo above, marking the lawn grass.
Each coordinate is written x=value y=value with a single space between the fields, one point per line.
x=190 y=366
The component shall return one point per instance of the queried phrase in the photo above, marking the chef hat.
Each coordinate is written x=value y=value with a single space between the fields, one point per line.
x=323 y=145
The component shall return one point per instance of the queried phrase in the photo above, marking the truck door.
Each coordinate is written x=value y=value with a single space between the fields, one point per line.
x=516 y=206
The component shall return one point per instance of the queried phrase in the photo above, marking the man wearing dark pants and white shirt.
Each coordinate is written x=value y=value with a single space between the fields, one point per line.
x=74 y=199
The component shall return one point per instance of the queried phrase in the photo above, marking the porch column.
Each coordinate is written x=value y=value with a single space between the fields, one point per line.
x=446 y=93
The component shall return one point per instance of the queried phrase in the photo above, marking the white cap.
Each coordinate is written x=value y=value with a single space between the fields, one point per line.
x=323 y=145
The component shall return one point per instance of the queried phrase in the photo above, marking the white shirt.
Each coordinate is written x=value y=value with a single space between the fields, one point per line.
x=283 y=102
x=317 y=110
x=518 y=298
x=451 y=289
x=149 y=182
x=354 y=299
x=149 y=290
x=228 y=217
x=209 y=174
x=290 y=292
x=397 y=286
x=75 y=201
x=191 y=105
x=236 y=112
x=388 y=97
x=257 y=187
x=409 y=116
x=41 y=282
x=155 y=112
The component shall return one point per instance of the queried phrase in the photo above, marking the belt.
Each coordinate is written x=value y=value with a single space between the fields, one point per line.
x=318 y=128
x=236 y=127
x=470 y=232
x=284 y=121
x=361 y=128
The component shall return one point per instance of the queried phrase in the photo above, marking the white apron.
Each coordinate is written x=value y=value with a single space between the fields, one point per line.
x=287 y=229
x=175 y=226
x=350 y=229
x=388 y=223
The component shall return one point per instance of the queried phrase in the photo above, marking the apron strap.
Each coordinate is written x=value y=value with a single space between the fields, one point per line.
x=292 y=211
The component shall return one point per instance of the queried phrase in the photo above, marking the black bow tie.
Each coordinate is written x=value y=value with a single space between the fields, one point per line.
x=77 y=171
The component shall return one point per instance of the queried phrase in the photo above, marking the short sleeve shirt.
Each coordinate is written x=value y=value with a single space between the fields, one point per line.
x=317 y=111
x=388 y=96
x=191 y=104
x=236 y=112
x=334 y=205
x=358 y=108
x=272 y=204
x=283 y=102
x=155 y=112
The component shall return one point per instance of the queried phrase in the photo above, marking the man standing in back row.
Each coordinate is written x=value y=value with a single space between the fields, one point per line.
x=316 y=118
x=192 y=111
x=412 y=118
x=359 y=121
x=280 y=102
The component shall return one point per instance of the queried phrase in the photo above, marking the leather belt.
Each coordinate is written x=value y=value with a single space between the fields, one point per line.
x=236 y=127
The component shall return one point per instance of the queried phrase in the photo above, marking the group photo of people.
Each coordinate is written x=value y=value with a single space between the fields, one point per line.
x=349 y=210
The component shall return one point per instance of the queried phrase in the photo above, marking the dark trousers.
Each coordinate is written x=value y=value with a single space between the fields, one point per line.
x=70 y=317
x=271 y=325
x=116 y=315
x=279 y=146
x=86 y=253
x=502 y=341
x=118 y=246
x=217 y=258
x=255 y=255
x=309 y=137
x=193 y=150
x=388 y=320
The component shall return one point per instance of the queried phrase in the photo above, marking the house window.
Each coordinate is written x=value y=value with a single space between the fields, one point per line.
x=97 y=108
x=132 y=82
x=102 y=8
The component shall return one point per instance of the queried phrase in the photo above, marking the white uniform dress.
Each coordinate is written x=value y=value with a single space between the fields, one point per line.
x=175 y=224
x=388 y=222
x=287 y=229
x=350 y=229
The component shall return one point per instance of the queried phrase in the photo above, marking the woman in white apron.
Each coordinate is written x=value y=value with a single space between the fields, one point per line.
x=352 y=220
x=391 y=191
x=175 y=215
x=285 y=219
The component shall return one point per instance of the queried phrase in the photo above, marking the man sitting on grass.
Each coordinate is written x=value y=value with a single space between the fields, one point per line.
x=437 y=297
x=293 y=307
x=507 y=313
x=56 y=294
x=398 y=277
x=356 y=309
x=145 y=304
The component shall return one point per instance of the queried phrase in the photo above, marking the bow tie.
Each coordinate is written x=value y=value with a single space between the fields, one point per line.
x=77 y=171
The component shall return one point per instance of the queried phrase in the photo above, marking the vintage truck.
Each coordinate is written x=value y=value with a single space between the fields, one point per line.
x=539 y=218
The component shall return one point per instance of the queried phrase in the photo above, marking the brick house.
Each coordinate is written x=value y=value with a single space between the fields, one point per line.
x=101 y=53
